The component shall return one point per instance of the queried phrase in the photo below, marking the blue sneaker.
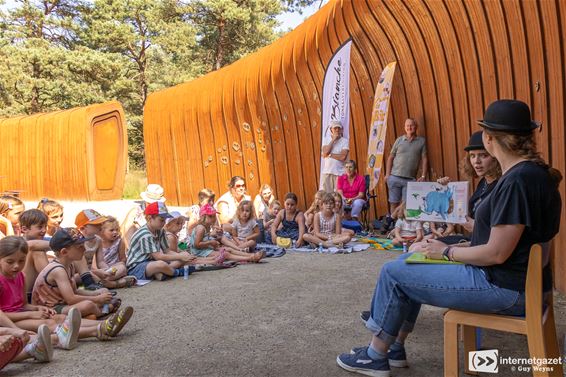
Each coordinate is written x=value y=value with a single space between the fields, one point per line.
x=397 y=359
x=360 y=362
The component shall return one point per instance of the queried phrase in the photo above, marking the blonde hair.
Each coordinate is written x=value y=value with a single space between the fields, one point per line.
x=110 y=220
x=7 y=202
x=399 y=212
x=314 y=206
x=525 y=146
x=337 y=198
x=274 y=203
x=241 y=206
x=205 y=195
x=49 y=206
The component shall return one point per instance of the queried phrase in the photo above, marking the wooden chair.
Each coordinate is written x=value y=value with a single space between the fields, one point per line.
x=538 y=324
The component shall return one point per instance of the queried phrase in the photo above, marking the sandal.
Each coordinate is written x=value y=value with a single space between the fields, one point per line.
x=256 y=257
x=119 y=319
x=103 y=328
x=130 y=281
x=115 y=304
x=221 y=256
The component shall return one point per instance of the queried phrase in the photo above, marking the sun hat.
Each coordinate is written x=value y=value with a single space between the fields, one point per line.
x=475 y=142
x=336 y=124
x=157 y=208
x=207 y=209
x=153 y=193
x=66 y=237
x=175 y=215
x=89 y=217
x=509 y=116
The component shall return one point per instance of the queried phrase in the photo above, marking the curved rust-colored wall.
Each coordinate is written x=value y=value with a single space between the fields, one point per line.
x=454 y=58
x=79 y=153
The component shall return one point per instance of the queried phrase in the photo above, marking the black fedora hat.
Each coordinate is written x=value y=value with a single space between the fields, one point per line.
x=509 y=116
x=475 y=142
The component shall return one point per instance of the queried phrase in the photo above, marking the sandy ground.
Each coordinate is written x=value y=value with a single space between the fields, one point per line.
x=289 y=316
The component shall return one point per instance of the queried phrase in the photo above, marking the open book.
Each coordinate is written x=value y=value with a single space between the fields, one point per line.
x=420 y=258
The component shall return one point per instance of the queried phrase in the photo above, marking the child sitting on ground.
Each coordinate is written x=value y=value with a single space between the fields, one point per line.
x=205 y=196
x=339 y=209
x=10 y=209
x=33 y=225
x=245 y=229
x=54 y=212
x=292 y=222
x=313 y=209
x=204 y=241
x=147 y=255
x=65 y=329
x=111 y=256
x=327 y=226
x=406 y=231
x=55 y=286
x=269 y=216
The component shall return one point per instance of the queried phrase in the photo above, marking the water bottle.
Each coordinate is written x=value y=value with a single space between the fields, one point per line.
x=186 y=272
x=320 y=249
x=293 y=244
x=105 y=309
x=405 y=249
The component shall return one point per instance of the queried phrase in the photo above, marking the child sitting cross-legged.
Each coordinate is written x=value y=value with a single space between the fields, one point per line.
x=244 y=227
x=327 y=226
x=204 y=241
x=111 y=255
x=147 y=256
x=406 y=231
x=65 y=330
x=55 y=286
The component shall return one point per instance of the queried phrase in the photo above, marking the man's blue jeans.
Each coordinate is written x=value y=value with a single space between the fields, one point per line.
x=402 y=288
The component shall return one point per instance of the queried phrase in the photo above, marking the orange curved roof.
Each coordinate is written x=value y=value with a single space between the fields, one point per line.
x=454 y=57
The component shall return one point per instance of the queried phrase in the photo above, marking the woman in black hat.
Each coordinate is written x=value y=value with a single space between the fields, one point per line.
x=477 y=163
x=522 y=209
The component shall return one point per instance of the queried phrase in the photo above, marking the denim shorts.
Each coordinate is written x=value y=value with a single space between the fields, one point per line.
x=397 y=188
x=139 y=270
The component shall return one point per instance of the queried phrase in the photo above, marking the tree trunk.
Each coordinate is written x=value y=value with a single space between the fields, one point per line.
x=219 y=54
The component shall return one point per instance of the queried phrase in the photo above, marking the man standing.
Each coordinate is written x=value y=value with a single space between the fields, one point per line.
x=334 y=154
x=403 y=164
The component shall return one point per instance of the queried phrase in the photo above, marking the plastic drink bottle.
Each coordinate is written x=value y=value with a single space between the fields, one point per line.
x=186 y=272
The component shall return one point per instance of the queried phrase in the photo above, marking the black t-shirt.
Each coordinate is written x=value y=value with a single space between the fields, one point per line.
x=482 y=191
x=525 y=195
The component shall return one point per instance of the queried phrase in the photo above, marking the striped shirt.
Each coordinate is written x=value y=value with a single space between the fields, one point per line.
x=143 y=244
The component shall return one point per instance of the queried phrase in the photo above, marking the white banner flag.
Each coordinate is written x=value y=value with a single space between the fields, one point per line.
x=336 y=95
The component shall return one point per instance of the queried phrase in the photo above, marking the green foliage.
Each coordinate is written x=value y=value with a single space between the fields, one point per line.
x=134 y=184
x=58 y=54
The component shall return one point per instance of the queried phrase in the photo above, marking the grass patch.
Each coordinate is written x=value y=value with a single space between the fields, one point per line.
x=135 y=183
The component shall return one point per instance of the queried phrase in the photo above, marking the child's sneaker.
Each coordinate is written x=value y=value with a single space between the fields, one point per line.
x=360 y=362
x=41 y=348
x=68 y=331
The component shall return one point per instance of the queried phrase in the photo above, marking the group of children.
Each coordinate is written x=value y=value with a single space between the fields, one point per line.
x=41 y=267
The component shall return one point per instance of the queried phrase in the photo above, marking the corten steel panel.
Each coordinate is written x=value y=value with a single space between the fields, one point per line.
x=454 y=58
x=78 y=154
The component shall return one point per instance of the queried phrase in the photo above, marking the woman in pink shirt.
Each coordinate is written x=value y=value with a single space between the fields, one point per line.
x=352 y=187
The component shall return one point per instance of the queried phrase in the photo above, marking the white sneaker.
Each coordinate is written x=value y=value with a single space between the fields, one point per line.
x=41 y=348
x=68 y=331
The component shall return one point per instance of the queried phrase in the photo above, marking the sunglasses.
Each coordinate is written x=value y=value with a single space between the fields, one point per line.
x=239 y=186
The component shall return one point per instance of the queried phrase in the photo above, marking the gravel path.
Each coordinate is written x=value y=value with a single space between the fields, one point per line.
x=289 y=316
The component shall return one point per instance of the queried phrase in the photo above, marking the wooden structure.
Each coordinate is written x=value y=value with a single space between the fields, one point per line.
x=260 y=117
x=538 y=325
x=79 y=153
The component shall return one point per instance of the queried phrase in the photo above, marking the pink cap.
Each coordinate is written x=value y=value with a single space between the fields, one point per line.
x=207 y=209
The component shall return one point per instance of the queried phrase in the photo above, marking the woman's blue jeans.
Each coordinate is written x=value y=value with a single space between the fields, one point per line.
x=402 y=288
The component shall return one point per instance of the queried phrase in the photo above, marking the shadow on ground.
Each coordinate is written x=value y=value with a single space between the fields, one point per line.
x=286 y=317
